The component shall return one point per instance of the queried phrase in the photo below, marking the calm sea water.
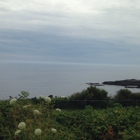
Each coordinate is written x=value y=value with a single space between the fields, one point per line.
x=60 y=79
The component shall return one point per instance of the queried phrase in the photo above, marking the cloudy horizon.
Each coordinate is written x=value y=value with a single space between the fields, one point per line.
x=96 y=32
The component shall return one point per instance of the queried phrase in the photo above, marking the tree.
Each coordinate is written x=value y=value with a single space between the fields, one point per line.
x=123 y=94
x=24 y=94
x=91 y=93
x=135 y=96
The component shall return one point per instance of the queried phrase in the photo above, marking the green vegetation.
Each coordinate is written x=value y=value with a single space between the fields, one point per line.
x=94 y=93
x=91 y=93
x=24 y=120
x=24 y=95
x=98 y=98
x=106 y=124
x=125 y=94
x=41 y=119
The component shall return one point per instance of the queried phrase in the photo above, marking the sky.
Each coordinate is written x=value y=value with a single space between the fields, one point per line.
x=60 y=31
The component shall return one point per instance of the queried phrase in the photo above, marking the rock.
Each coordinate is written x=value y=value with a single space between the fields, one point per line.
x=95 y=84
x=128 y=83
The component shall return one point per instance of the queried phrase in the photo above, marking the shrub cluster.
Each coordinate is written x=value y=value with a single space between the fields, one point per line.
x=22 y=120
x=98 y=98
x=94 y=93
x=91 y=93
x=125 y=94
x=116 y=123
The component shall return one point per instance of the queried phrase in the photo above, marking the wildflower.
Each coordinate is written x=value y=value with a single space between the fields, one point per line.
x=21 y=125
x=26 y=106
x=47 y=99
x=12 y=101
x=17 y=132
x=40 y=97
x=36 y=112
x=38 y=132
x=57 y=109
x=53 y=130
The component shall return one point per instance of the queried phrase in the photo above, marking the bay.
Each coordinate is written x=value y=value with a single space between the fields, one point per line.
x=60 y=79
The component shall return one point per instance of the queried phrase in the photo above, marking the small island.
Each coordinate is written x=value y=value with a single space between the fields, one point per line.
x=128 y=83
x=95 y=84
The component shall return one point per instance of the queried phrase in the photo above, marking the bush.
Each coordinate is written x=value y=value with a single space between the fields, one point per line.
x=31 y=117
x=91 y=93
x=135 y=96
x=106 y=124
x=123 y=94
x=86 y=124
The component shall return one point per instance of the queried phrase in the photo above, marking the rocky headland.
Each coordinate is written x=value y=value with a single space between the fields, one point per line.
x=95 y=84
x=128 y=83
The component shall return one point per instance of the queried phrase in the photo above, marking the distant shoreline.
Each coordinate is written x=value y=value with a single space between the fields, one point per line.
x=128 y=83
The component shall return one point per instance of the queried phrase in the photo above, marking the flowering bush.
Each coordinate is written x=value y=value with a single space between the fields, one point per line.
x=12 y=101
x=114 y=123
x=47 y=99
x=17 y=132
x=11 y=115
x=53 y=130
x=21 y=125
x=57 y=109
x=38 y=132
x=26 y=106
x=40 y=97
x=36 y=112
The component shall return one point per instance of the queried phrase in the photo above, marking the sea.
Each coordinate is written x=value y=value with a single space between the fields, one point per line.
x=60 y=79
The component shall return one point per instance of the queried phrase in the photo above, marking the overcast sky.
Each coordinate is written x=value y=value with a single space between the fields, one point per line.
x=74 y=31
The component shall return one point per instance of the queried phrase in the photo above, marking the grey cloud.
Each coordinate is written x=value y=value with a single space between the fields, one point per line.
x=94 y=30
x=34 y=46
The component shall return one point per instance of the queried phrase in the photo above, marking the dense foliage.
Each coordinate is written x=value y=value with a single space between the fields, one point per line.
x=125 y=94
x=116 y=123
x=91 y=93
x=38 y=121
x=23 y=119
x=98 y=117
x=94 y=93
x=98 y=98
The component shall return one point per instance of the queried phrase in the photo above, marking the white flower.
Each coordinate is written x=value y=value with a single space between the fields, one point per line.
x=12 y=101
x=53 y=130
x=57 y=109
x=17 y=132
x=21 y=125
x=47 y=99
x=36 y=112
x=26 y=106
x=38 y=132
x=40 y=97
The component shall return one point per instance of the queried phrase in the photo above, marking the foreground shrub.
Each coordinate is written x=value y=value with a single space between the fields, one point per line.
x=107 y=124
x=20 y=123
